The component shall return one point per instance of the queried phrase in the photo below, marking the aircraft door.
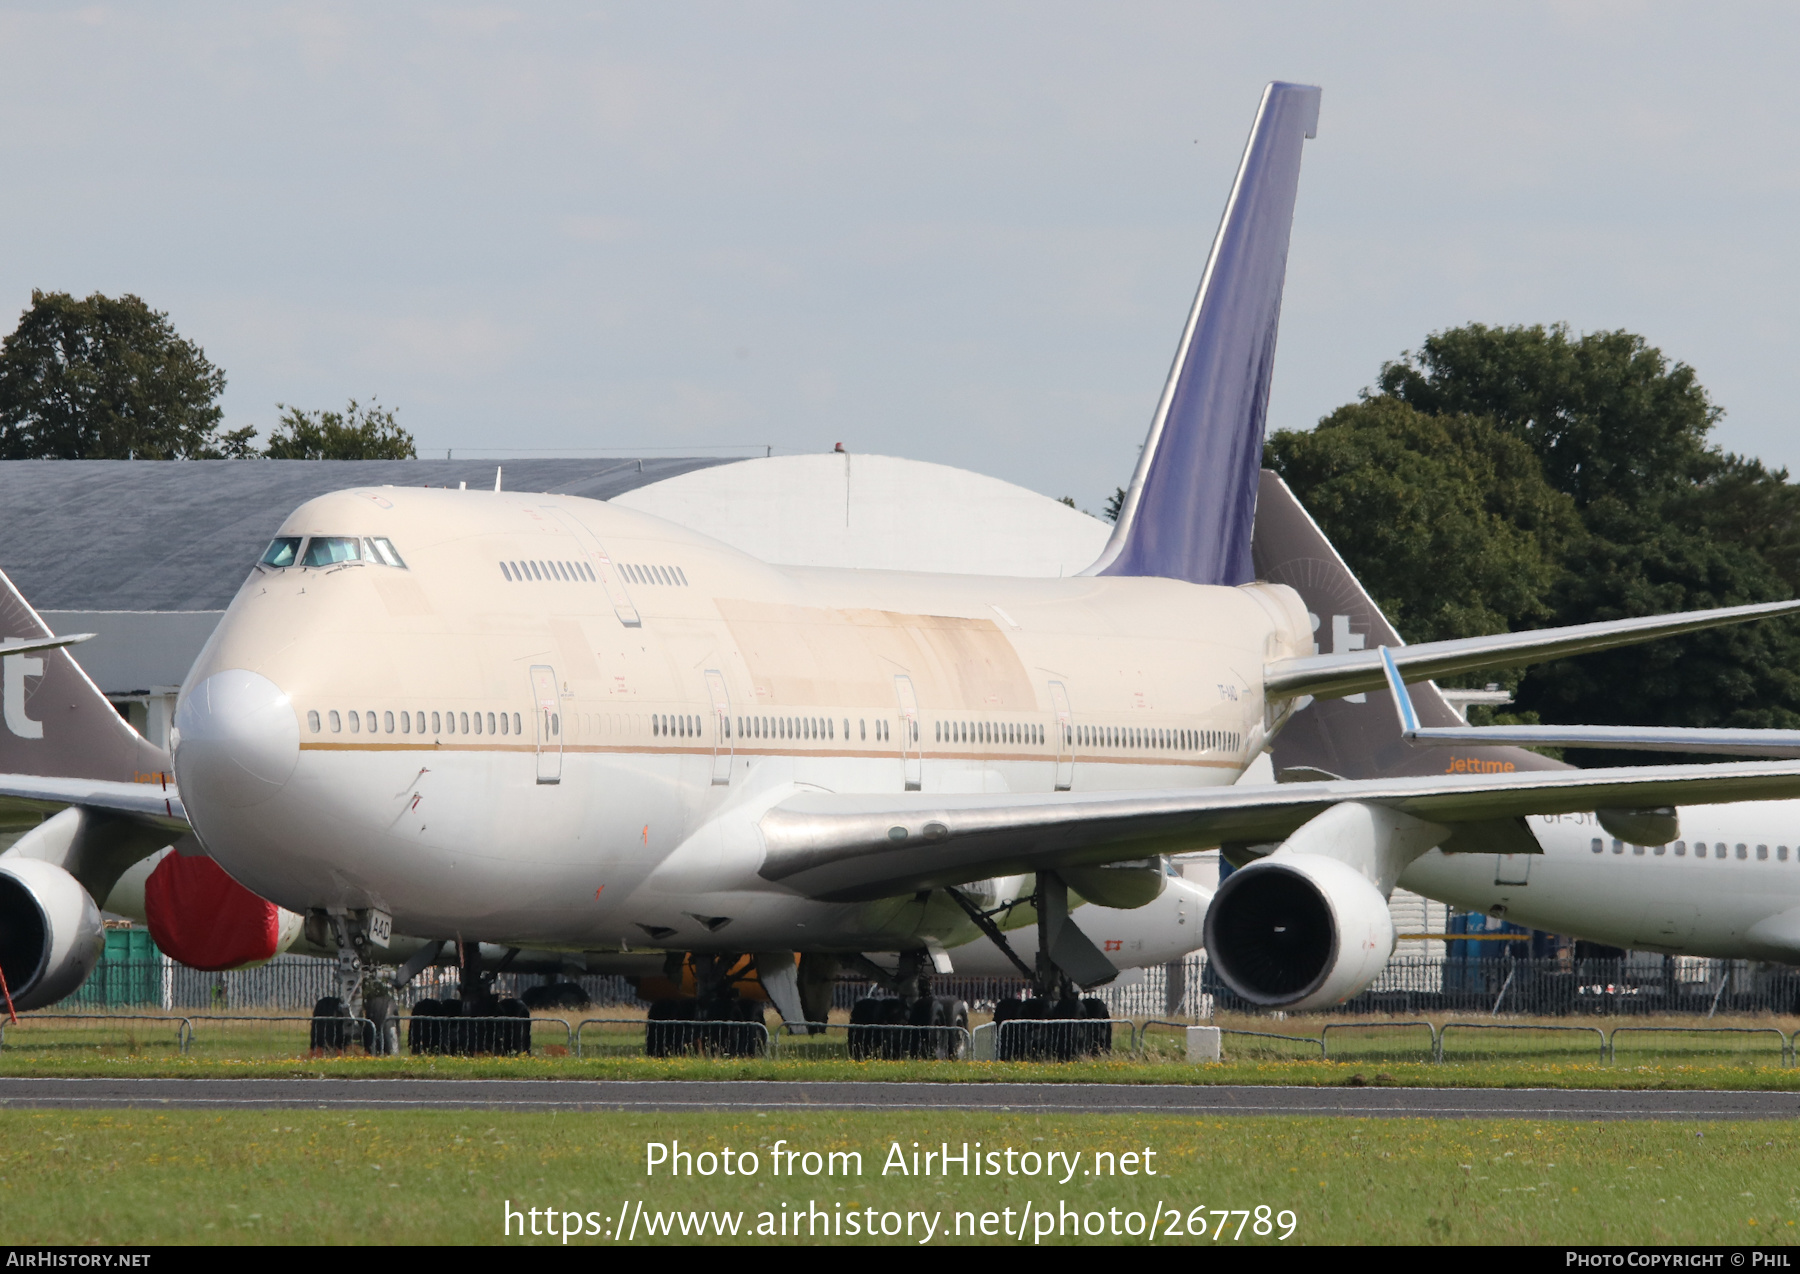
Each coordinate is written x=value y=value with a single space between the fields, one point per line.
x=1065 y=736
x=1512 y=869
x=549 y=724
x=910 y=763
x=722 y=745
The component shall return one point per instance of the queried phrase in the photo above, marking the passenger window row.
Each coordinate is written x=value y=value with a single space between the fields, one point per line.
x=330 y=550
x=528 y=571
x=670 y=575
x=361 y=722
x=1015 y=732
x=682 y=726
x=1110 y=736
x=1719 y=849
x=791 y=728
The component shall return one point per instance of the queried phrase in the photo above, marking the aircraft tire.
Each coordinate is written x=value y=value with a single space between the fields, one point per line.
x=670 y=1030
x=331 y=1026
x=514 y=1037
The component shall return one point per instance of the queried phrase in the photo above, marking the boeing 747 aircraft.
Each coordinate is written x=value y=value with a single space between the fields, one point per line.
x=540 y=722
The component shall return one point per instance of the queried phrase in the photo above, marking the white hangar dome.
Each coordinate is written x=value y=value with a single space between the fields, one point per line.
x=876 y=513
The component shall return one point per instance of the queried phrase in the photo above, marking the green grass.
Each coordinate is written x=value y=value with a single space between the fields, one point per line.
x=445 y=1177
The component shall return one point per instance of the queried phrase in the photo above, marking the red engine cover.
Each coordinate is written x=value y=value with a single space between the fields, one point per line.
x=205 y=919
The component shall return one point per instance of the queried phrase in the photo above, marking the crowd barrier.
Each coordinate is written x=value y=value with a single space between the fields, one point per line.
x=1409 y=987
x=241 y=1037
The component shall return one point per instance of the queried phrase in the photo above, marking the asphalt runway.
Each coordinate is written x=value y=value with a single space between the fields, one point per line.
x=600 y=1095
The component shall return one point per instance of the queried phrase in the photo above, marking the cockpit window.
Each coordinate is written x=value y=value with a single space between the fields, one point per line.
x=381 y=549
x=283 y=549
x=328 y=550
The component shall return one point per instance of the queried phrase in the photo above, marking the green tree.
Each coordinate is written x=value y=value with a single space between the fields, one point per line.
x=1448 y=519
x=105 y=379
x=1608 y=415
x=356 y=433
x=1666 y=520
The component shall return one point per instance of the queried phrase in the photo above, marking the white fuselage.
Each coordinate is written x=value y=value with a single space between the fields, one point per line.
x=578 y=759
x=1667 y=898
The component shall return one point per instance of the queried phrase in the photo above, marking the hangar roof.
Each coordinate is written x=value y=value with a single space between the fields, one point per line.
x=143 y=535
x=877 y=513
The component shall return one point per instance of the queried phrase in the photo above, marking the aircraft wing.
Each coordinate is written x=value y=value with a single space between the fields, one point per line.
x=152 y=803
x=1767 y=743
x=1328 y=676
x=847 y=848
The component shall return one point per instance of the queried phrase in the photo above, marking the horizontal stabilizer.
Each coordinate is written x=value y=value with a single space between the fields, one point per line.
x=24 y=646
x=1328 y=676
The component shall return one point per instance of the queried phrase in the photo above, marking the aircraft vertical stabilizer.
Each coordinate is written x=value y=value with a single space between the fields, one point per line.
x=1359 y=737
x=54 y=722
x=1187 y=514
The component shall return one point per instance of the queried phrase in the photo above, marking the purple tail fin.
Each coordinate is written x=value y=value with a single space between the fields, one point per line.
x=1188 y=512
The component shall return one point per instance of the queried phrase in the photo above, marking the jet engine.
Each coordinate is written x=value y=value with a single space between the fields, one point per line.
x=1298 y=931
x=50 y=932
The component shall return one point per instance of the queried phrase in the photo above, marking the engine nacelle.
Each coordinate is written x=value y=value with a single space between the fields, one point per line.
x=1120 y=886
x=50 y=932
x=1298 y=931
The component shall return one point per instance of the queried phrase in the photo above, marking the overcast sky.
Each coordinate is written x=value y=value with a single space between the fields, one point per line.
x=965 y=233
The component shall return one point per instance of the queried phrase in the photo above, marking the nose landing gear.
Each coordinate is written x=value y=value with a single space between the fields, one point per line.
x=360 y=994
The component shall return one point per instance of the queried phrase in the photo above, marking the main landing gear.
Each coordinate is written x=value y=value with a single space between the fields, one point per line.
x=716 y=1019
x=1055 y=1023
x=909 y=1003
x=479 y=1022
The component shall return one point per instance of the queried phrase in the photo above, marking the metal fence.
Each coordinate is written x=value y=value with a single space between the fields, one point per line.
x=289 y=982
x=819 y=1041
x=1636 y=984
x=1186 y=989
x=1413 y=986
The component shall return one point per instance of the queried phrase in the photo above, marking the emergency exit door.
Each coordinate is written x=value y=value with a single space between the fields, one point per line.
x=722 y=745
x=549 y=724
x=1065 y=736
x=910 y=764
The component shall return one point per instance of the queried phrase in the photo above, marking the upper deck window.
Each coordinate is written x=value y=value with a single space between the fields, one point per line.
x=328 y=550
x=381 y=549
x=283 y=549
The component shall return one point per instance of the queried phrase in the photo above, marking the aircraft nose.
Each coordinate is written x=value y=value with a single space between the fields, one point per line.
x=236 y=740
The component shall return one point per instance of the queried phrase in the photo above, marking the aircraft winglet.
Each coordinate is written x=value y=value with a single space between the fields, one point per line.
x=1403 y=704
